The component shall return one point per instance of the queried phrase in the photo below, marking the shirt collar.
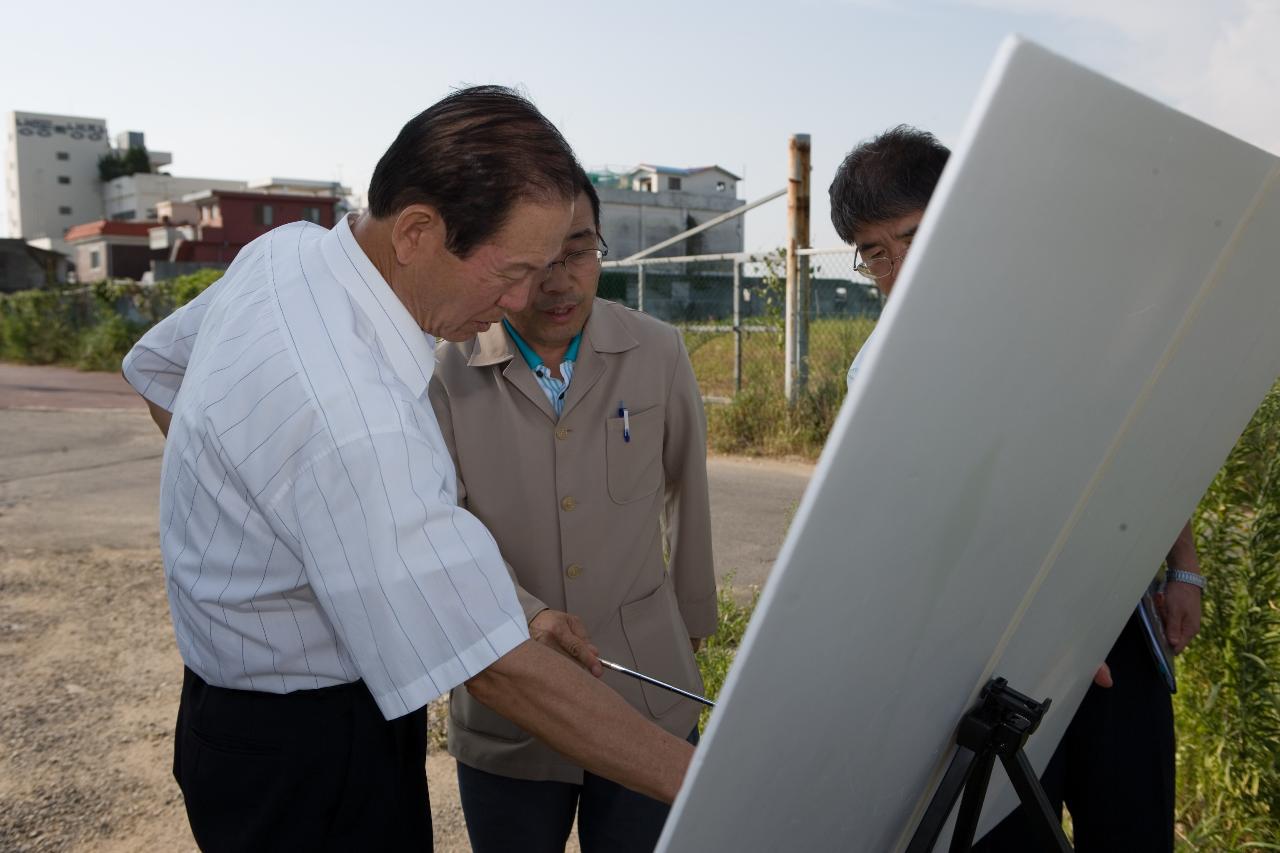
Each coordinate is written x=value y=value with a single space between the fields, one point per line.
x=409 y=349
x=531 y=358
x=604 y=332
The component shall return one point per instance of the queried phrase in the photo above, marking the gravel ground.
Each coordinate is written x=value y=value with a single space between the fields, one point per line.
x=89 y=681
x=89 y=672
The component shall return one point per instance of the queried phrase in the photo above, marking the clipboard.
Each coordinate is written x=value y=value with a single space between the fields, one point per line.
x=1153 y=632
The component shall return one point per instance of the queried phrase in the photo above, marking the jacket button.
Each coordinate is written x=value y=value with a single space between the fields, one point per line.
x=562 y=433
x=574 y=570
x=568 y=504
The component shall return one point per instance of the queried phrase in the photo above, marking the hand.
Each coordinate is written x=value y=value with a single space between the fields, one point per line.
x=565 y=633
x=1180 y=609
x=1102 y=677
x=696 y=642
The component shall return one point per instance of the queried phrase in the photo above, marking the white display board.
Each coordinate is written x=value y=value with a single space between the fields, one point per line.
x=1087 y=320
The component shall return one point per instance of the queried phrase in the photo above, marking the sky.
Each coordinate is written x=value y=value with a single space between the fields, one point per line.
x=319 y=89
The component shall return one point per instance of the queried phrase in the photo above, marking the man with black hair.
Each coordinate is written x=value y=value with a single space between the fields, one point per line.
x=1114 y=768
x=324 y=583
x=878 y=199
x=578 y=434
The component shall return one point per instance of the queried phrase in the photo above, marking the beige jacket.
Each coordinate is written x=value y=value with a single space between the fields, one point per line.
x=582 y=516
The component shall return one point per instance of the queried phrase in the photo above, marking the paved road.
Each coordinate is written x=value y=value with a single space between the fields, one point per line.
x=80 y=466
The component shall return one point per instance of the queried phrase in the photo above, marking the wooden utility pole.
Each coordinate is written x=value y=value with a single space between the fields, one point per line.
x=796 y=372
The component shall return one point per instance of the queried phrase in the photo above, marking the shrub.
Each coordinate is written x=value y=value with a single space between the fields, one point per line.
x=759 y=421
x=35 y=327
x=1228 y=700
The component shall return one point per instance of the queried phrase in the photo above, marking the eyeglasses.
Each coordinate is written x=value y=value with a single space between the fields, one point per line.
x=578 y=264
x=878 y=268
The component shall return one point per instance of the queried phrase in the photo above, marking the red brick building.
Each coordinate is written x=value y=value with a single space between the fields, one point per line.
x=229 y=220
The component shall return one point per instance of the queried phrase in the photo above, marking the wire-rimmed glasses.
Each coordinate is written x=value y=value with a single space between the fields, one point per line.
x=578 y=264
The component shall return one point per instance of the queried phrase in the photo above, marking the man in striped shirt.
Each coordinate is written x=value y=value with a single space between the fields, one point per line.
x=323 y=583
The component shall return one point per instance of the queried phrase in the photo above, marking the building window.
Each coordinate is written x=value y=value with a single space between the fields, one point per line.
x=673 y=183
x=721 y=186
x=62 y=155
x=64 y=179
x=311 y=214
x=263 y=214
x=64 y=211
x=95 y=259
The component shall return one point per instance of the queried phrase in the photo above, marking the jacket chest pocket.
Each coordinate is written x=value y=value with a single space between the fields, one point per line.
x=634 y=459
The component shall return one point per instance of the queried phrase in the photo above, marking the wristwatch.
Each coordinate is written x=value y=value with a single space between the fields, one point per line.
x=1196 y=580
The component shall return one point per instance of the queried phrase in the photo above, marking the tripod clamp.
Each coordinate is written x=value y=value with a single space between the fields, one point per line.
x=997 y=727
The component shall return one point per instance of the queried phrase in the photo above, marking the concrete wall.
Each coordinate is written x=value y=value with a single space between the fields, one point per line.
x=24 y=267
x=631 y=221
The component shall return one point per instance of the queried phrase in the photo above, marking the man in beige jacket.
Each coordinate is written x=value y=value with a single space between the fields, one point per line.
x=578 y=434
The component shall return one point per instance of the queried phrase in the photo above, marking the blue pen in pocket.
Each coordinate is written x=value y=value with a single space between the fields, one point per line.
x=626 y=421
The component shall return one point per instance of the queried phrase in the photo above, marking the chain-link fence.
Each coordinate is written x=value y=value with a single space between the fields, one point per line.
x=731 y=310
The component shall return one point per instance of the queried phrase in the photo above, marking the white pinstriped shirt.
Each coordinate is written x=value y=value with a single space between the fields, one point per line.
x=308 y=514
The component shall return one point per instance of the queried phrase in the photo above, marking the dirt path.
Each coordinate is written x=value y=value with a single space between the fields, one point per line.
x=89 y=673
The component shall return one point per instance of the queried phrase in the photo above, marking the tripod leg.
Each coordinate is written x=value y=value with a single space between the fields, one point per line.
x=1048 y=826
x=975 y=791
x=944 y=799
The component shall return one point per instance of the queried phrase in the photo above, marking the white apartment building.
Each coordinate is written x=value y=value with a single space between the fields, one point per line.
x=51 y=174
x=53 y=181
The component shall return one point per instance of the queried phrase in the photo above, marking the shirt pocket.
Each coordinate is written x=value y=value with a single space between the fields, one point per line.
x=634 y=466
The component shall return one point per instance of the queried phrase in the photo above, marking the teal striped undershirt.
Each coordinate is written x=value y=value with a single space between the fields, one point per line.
x=554 y=388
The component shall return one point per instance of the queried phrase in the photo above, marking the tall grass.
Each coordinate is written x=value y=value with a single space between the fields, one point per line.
x=1228 y=702
x=757 y=420
x=717 y=653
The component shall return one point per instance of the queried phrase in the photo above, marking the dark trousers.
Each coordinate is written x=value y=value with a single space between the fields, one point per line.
x=505 y=814
x=309 y=770
x=1115 y=766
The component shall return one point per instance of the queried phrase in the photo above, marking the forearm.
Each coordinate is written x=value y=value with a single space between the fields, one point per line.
x=558 y=702
x=1182 y=555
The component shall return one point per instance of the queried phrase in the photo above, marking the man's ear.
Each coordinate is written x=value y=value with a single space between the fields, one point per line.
x=418 y=231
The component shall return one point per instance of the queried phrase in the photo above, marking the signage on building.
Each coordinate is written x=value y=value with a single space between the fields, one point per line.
x=43 y=127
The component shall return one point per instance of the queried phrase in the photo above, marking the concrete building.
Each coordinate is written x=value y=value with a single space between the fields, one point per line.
x=25 y=267
x=138 y=196
x=648 y=204
x=111 y=249
x=52 y=174
x=53 y=178
x=299 y=186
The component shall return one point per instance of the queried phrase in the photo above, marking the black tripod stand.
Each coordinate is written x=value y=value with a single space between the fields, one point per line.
x=998 y=726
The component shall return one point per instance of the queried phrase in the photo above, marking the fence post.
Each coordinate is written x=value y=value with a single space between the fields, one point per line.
x=737 y=327
x=640 y=290
x=796 y=343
